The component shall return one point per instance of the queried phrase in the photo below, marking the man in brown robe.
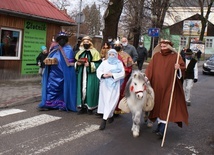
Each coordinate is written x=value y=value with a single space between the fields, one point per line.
x=160 y=72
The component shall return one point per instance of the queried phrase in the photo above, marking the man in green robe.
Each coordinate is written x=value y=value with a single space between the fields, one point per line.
x=88 y=60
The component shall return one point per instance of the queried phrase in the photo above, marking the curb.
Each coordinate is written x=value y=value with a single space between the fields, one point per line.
x=27 y=100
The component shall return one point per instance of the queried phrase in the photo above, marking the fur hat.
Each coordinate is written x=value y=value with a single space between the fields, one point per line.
x=188 y=52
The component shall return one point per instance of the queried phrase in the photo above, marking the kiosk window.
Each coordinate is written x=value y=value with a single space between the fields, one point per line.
x=10 y=45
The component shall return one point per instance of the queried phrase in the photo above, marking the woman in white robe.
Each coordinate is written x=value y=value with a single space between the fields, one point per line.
x=110 y=72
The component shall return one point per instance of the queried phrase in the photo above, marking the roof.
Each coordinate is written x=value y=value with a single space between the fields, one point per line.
x=37 y=9
x=177 y=28
x=182 y=3
x=176 y=14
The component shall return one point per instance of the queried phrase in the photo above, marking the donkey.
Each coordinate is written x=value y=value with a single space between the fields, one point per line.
x=140 y=97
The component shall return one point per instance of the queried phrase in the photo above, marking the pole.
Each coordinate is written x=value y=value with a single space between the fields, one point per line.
x=170 y=103
x=153 y=42
x=154 y=22
x=78 y=26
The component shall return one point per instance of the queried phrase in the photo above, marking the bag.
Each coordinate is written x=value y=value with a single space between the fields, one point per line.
x=150 y=102
x=51 y=61
x=124 y=106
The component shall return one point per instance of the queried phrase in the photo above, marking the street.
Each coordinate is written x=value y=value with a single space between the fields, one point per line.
x=25 y=131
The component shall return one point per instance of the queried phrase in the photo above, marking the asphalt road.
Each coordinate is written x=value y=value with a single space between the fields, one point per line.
x=25 y=131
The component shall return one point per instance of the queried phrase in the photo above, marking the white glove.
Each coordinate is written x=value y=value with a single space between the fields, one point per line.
x=39 y=63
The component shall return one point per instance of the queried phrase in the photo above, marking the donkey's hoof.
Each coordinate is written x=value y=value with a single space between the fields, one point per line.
x=132 y=129
x=135 y=134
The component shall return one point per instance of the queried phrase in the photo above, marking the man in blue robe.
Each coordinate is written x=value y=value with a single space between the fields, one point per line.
x=59 y=79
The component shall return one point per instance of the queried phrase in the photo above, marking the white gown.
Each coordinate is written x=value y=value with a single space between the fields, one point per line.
x=109 y=95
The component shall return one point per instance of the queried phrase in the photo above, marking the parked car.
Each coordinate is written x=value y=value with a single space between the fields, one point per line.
x=208 y=66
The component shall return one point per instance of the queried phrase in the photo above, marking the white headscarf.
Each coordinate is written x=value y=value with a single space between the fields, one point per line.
x=113 y=60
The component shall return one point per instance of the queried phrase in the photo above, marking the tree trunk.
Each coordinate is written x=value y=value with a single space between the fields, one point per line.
x=159 y=8
x=137 y=28
x=204 y=20
x=203 y=27
x=111 y=19
x=136 y=37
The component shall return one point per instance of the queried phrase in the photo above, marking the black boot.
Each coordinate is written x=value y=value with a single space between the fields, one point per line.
x=157 y=129
x=161 y=130
x=90 y=112
x=103 y=125
x=42 y=109
x=99 y=115
x=116 y=115
x=82 y=111
x=111 y=119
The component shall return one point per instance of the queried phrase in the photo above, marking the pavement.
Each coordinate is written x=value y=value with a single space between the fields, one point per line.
x=20 y=91
x=25 y=90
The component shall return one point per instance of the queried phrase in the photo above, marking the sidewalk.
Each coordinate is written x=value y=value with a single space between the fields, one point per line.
x=27 y=90
x=20 y=91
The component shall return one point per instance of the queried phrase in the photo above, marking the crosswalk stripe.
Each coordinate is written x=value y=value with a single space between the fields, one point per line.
x=71 y=137
x=10 y=112
x=27 y=123
x=34 y=146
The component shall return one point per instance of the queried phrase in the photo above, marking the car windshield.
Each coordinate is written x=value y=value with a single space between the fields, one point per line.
x=212 y=58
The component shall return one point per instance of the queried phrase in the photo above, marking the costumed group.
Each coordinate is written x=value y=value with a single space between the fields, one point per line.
x=88 y=80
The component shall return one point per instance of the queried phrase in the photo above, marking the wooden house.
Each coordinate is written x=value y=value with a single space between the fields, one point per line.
x=26 y=25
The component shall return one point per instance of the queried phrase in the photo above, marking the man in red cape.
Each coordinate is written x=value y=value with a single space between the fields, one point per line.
x=127 y=64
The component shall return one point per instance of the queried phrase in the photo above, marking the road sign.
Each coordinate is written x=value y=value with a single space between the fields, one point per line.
x=153 y=32
x=80 y=18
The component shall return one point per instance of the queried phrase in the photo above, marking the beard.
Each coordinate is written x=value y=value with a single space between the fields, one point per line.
x=166 y=52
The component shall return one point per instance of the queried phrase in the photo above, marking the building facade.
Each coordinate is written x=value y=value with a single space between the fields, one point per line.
x=185 y=34
x=24 y=27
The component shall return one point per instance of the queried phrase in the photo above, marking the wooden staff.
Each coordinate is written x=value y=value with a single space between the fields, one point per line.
x=170 y=103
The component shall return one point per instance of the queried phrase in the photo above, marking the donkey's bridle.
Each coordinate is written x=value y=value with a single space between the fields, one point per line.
x=141 y=91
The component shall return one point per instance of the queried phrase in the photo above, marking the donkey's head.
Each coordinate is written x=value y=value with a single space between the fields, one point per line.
x=137 y=84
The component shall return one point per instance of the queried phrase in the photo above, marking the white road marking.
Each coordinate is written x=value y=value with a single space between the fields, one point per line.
x=192 y=149
x=10 y=112
x=71 y=137
x=27 y=123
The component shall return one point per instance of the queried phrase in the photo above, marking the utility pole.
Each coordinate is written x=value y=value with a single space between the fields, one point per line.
x=79 y=21
x=154 y=20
